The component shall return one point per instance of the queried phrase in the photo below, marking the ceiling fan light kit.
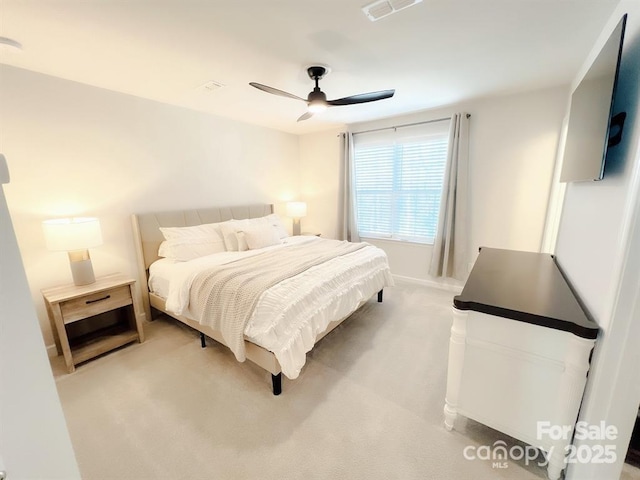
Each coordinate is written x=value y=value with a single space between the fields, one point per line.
x=317 y=100
x=317 y=106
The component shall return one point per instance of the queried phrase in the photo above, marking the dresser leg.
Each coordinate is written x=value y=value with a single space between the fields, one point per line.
x=555 y=468
x=457 y=343
x=450 y=415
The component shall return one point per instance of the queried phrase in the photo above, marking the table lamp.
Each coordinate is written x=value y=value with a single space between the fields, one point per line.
x=296 y=210
x=75 y=236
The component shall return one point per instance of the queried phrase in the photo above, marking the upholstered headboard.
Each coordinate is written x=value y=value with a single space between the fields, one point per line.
x=147 y=235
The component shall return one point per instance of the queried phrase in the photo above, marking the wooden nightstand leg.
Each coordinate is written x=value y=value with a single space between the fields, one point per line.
x=63 y=339
x=137 y=308
x=54 y=329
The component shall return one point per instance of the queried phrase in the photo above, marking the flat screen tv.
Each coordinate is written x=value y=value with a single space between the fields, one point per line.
x=593 y=126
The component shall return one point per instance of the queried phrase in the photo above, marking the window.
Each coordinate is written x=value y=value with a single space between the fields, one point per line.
x=398 y=181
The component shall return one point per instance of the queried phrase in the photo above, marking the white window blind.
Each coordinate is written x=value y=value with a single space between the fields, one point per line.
x=398 y=181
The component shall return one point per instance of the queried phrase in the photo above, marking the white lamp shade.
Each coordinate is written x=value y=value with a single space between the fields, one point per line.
x=296 y=209
x=68 y=234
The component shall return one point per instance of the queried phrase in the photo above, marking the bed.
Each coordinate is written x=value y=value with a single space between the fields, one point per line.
x=268 y=297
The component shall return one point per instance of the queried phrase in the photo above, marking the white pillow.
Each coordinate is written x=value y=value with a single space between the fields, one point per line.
x=187 y=243
x=261 y=236
x=275 y=221
x=195 y=231
x=185 y=250
x=229 y=230
x=242 y=242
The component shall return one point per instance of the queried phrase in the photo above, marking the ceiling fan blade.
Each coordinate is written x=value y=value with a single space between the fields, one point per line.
x=275 y=91
x=362 y=98
x=305 y=116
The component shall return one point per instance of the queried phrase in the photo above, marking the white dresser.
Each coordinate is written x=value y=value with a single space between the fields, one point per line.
x=519 y=351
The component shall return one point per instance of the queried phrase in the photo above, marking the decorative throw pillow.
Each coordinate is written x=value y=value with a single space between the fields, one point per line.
x=261 y=236
x=229 y=230
x=242 y=242
x=275 y=221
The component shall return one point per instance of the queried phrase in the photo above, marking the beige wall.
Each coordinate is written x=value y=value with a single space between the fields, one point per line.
x=320 y=181
x=513 y=144
x=79 y=150
x=597 y=249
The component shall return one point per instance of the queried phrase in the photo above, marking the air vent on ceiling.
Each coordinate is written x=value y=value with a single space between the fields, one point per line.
x=210 y=86
x=383 y=8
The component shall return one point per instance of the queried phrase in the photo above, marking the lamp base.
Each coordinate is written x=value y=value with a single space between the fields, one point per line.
x=296 y=226
x=81 y=267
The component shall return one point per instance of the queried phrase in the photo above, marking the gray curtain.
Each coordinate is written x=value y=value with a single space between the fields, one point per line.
x=449 y=257
x=348 y=229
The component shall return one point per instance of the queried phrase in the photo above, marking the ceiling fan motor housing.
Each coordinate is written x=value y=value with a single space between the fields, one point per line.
x=317 y=96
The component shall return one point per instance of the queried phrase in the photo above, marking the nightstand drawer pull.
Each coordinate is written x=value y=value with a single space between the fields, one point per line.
x=97 y=300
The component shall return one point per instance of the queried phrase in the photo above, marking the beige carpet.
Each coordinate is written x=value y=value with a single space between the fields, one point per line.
x=367 y=405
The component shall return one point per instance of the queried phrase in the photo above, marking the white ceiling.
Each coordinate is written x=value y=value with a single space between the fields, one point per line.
x=435 y=53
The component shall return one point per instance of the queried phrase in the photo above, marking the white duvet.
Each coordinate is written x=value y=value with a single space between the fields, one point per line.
x=289 y=315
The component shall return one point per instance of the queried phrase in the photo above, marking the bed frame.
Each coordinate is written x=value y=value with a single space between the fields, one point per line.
x=148 y=237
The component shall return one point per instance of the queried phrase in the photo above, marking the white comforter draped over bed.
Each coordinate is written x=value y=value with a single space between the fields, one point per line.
x=224 y=297
x=288 y=316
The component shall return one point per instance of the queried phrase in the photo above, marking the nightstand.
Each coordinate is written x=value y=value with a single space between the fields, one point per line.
x=311 y=234
x=109 y=295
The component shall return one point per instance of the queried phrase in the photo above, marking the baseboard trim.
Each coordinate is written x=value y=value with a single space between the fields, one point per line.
x=443 y=285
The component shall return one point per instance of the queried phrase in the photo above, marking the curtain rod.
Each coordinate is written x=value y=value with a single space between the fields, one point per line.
x=407 y=125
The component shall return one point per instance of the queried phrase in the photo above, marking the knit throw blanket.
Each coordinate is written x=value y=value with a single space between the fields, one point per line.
x=225 y=296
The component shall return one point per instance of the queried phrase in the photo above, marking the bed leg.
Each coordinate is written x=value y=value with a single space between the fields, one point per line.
x=276 y=380
x=203 y=343
x=380 y=296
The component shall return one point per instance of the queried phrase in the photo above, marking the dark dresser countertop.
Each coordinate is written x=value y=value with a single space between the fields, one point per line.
x=524 y=286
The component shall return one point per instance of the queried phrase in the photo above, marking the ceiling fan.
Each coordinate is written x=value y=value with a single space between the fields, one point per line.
x=317 y=100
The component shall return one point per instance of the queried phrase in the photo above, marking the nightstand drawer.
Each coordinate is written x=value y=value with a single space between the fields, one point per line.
x=95 y=303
